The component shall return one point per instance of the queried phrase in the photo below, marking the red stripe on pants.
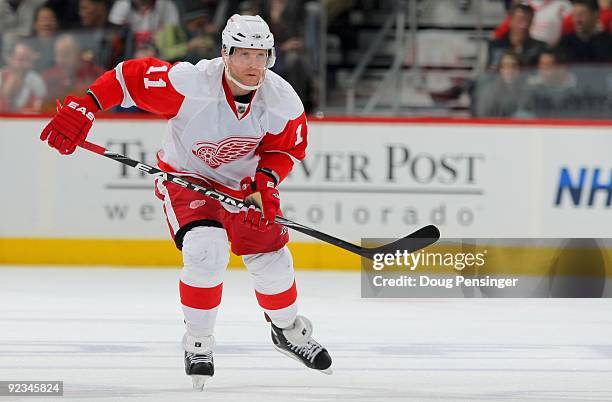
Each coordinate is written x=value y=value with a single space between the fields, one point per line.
x=200 y=298
x=279 y=300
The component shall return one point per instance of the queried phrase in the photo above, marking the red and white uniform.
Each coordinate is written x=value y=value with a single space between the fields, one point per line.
x=207 y=136
x=212 y=138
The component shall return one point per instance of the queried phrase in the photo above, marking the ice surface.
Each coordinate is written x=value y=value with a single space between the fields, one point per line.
x=114 y=334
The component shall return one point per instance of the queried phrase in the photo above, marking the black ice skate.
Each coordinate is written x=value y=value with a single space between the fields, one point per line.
x=297 y=343
x=199 y=364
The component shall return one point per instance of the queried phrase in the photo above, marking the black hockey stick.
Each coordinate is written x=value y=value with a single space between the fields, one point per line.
x=423 y=237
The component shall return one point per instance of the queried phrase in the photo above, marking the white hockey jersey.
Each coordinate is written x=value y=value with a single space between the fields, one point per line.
x=208 y=135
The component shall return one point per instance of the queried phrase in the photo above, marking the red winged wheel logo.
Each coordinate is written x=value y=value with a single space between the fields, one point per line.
x=226 y=151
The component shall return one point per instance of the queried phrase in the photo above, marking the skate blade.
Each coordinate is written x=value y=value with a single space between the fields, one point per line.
x=327 y=371
x=199 y=381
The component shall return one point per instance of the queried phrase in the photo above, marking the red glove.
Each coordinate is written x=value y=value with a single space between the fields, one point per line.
x=254 y=218
x=261 y=193
x=70 y=126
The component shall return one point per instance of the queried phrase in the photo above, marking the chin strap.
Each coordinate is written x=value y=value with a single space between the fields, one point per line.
x=241 y=85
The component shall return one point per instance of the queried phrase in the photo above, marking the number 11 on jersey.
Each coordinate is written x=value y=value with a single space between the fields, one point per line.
x=159 y=83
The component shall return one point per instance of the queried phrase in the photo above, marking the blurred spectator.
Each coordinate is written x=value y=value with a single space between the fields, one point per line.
x=249 y=7
x=21 y=88
x=143 y=18
x=589 y=43
x=71 y=74
x=16 y=20
x=547 y=20
x=605 y=18
x=193 y=40
x=501 y=96
x=18 y=15
x=42 y=41
x=339 y=25
x=218 y=11
x=549 y=93
x=146 y=49
x=517 y=39
x=67 y=12
x=99 y=40
x=93 y=14
x=286 y=22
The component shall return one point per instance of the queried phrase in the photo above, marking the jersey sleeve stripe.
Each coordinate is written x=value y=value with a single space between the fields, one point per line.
x=127 y=99
x=293 y=158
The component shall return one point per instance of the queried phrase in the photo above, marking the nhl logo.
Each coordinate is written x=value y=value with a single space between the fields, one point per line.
x=256 y=36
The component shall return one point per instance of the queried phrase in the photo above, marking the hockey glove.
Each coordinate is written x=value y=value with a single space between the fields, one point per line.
x=262 y=193
x=69 y=127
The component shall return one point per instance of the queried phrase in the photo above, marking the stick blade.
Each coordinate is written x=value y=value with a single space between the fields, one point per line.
x=425 y=236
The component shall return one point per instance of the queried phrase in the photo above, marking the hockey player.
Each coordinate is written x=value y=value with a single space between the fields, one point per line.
x=235 y=126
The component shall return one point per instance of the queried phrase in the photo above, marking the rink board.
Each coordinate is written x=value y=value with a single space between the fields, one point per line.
x=361 y=178
x=528 y=260
x=155 y=253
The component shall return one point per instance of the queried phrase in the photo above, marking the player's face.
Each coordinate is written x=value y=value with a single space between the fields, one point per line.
x=248 y=65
